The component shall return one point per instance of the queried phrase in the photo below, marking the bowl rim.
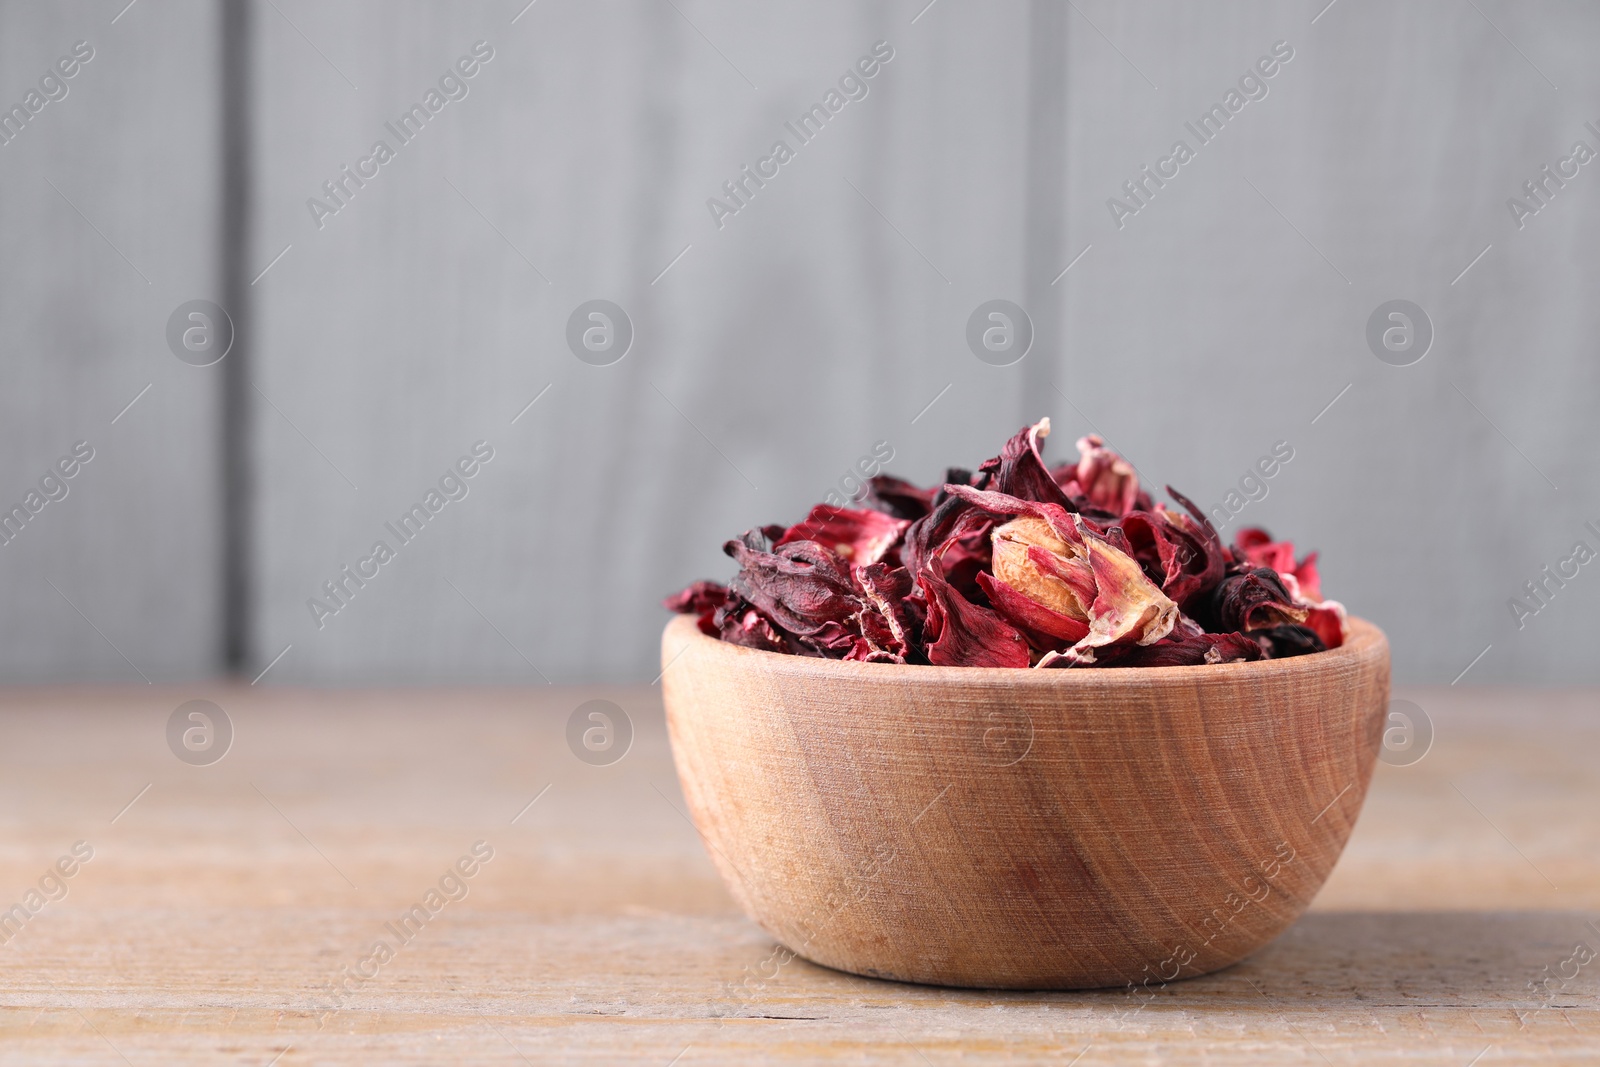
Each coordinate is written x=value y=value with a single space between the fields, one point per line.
x=1363 y=642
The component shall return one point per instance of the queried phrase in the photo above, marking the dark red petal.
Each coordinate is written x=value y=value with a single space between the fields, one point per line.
x=799 y=587
x=1148 y=543
x=1046 y=629
x=865 y=652
x=1257 y=547
x=930 y=536
x=1019 y=470
x=1203 y=540
x=890 y=626
x=703 y=599
x=834 y=640
x=1252 y=600
x=1000 y=505
x=746 y=627
x=962 y=634
x=1179 y=554
x=1191 y=650
x=1195 y=513
x=858 y=536
x=1281 y=642
x=1202 y=561
x=897 y=497
x=698 y=597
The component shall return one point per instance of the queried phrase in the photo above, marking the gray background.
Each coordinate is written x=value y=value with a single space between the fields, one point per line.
x=825 y=316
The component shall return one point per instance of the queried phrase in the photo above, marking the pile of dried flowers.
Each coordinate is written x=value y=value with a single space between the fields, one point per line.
x=1018 y=565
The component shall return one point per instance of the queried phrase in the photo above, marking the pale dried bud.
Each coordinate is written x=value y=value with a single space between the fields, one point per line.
x=1013 y=566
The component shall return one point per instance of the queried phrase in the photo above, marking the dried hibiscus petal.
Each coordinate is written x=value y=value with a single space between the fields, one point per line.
x=1001 y=505
x=1188 y=651
x=1046 y=629
x=858 y=536
x=1253 y=600
x=964 y=558
x=1202 y=557
x=1327 y=621
x=741 y=624
x=1104 y=477
x=700 y=598
x=952 y=519
x=1324 y=617
x=1258 y=548
x=962 y=634
x=1281 y=642
x=892 y=626
x=897 y=497
x=1127 y=605
x=1073 y=566
x=800 y=587
x=1019 y=469
x=1059 y=560
x=825 y=606
x=1177 y=552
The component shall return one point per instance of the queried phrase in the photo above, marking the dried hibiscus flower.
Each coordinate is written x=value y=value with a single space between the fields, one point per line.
x=1322 y=623
x=1018 y=565
x=859 y=537
x=1104 y=478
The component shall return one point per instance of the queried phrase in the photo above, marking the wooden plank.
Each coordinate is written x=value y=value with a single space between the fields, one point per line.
x=829 y=312
x=215 y=910
x=1377 y=165
x=108 y=204
x=429 y=312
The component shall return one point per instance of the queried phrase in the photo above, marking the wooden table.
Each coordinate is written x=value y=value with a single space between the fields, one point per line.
x=221 y=906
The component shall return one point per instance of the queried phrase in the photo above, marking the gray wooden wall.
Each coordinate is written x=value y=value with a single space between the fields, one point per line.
x=772 y=352
x=108 y=221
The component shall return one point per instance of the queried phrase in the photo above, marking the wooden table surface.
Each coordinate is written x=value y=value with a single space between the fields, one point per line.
x=221 y=908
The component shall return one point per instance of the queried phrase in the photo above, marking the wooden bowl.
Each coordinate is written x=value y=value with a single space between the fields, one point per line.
x=1023 y=829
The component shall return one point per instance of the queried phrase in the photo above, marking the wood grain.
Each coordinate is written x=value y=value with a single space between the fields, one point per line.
x=206 y=926
x=1023 y=829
